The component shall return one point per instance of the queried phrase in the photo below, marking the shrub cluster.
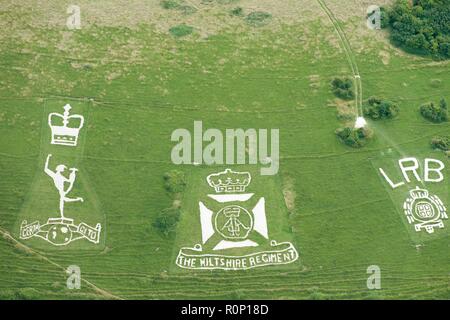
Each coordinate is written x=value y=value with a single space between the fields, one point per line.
x=170 y=4
x=238 y=11
x=167 y=220
x=343 y=88
x=435 y=113
x=174 y=181
x=178 y=5
x=376 y=109
x=258 y=18
x=353 y=137
x=441 y=143
x=181 y=30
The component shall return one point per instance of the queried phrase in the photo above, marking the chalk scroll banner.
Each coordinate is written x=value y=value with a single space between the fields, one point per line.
x=192 y=258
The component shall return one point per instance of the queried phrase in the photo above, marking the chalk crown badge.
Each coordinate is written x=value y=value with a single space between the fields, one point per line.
x=419 y=193
x=65 y=134
x=229 y=181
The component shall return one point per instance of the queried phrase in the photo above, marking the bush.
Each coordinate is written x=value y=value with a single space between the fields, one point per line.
x=174 y=181
x=258 y=18
x=178 y=5
x=422 y=26
x=238 y=11
x=343 y=88
x=170 y=4
x=444 y=106
x=435 y=113
x=187 y=9
x=380 y=109
x=355 y=138
x=167 y=220
x=441 y=143
x=181 y=30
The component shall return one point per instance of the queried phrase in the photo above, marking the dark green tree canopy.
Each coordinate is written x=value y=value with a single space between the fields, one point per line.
x=435 y=113
x=354 y=137
x=441 y=142
x=343 y=88
x=376 y=109
x=421 y=27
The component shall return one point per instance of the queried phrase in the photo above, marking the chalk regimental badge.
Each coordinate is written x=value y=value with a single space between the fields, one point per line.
x=61 y=231
x=234 y=231
x=425 y=211
x=65 y=127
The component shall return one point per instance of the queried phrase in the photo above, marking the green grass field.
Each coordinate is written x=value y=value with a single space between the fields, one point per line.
x=135 y=82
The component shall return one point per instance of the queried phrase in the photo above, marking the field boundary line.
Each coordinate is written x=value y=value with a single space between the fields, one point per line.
x=126 y=160
x=16 y=156
x=6 y=235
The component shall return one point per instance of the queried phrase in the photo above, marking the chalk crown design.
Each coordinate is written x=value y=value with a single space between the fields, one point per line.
x=229 y=181
x=419 y=193
x=63 y=134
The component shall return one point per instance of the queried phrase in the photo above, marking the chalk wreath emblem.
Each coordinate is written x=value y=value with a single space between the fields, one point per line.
x=234 y=228
x=425 y=211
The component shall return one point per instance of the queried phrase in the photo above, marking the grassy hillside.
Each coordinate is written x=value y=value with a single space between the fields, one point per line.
x=137 y=82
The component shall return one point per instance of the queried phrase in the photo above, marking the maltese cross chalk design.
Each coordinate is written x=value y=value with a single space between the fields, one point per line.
x=234 y=234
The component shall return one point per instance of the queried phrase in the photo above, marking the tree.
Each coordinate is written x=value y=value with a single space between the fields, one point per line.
x=422 y=26
x=167 y=220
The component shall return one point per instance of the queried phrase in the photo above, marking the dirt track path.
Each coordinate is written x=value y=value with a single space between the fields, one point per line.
x=349 y=54
x=7 y=236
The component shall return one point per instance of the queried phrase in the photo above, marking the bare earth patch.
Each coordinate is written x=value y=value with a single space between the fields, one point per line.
x=345 y=109
x=289 y=193
x=385 y=57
